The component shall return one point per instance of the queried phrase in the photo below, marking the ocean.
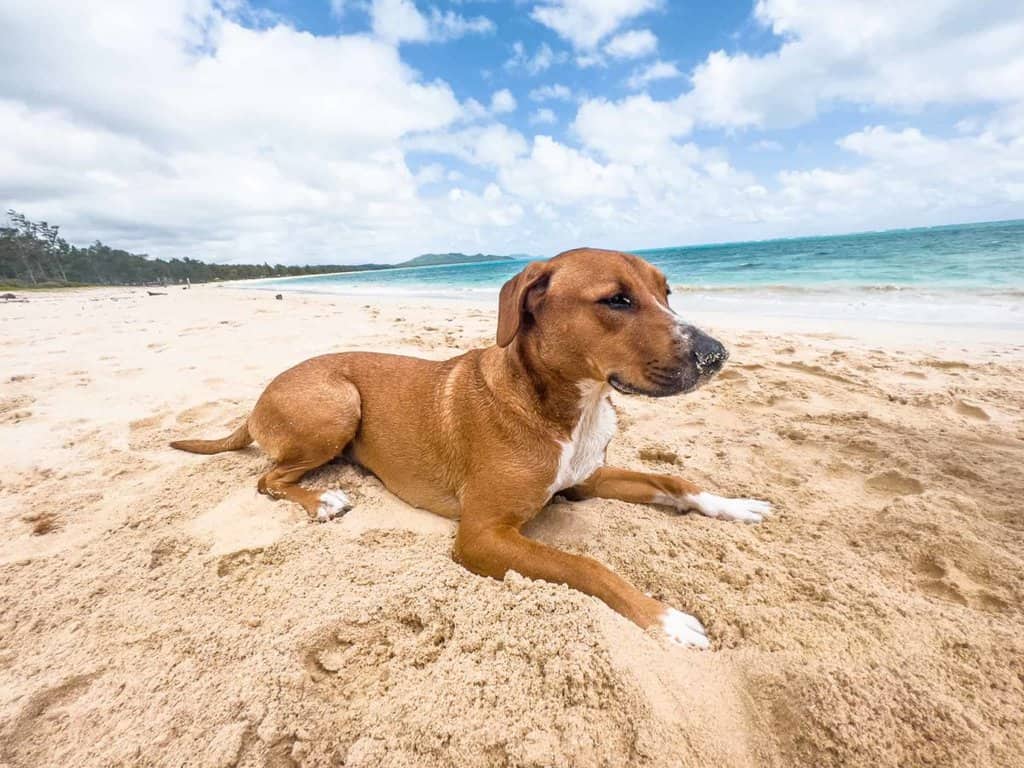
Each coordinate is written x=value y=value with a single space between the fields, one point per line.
x=968 y=273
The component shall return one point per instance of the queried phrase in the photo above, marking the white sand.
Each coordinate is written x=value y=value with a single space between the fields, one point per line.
x=154 y=610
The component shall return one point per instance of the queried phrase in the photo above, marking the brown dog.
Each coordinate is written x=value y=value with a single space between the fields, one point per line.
x=490 y=436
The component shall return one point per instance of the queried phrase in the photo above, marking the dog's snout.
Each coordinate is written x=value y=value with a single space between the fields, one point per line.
x=708 y=354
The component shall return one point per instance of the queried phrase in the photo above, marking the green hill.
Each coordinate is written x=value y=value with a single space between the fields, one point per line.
x=435 y=259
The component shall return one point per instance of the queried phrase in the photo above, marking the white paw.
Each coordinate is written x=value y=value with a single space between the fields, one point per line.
x=745 y=510
x=332 y=504
x=684 y=629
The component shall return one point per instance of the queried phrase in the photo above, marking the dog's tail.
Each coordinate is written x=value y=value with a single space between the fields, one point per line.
x=237 y=439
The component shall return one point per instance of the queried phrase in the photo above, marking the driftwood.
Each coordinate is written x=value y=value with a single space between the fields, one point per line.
x=156 y=293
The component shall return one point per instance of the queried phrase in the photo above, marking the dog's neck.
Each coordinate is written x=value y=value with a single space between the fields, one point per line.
x=544 y=390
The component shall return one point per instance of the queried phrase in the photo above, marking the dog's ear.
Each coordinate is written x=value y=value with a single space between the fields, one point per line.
x=518 y=296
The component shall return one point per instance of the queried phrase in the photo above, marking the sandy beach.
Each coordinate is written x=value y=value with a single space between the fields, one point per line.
x=156 y=611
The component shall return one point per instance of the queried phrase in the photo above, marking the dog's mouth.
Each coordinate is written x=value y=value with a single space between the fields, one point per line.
x=667 y=390
x=665 y=384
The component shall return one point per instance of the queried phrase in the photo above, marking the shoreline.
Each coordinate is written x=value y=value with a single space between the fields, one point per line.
x=380 y=268
x=962 y=336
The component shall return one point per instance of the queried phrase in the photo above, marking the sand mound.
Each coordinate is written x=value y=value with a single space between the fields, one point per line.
x=971 y=410
x=893 y=482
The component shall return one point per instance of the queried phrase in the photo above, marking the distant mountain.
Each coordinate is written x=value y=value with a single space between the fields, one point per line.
x=435 y=259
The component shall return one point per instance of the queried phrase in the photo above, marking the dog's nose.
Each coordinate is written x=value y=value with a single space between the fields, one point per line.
x=708 y=354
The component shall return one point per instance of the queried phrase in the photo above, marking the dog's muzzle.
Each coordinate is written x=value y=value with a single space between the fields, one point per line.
x=699 y=358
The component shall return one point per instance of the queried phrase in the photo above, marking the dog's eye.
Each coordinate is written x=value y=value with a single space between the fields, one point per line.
x=618 y=301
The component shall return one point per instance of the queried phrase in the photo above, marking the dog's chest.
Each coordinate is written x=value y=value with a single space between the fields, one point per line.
x=584 y=452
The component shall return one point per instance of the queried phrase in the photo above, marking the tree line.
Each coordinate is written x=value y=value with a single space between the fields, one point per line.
x=34 y=254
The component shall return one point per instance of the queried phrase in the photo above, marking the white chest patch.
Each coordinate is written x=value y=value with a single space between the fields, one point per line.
x=583 y=453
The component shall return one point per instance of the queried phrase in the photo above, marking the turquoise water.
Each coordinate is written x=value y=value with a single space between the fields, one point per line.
x=927 y=274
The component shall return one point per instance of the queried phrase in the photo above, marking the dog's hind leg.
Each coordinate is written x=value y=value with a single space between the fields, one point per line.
x=303 y=422
x=282 y=483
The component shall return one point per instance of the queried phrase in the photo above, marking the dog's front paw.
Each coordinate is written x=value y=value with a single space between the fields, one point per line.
x=684 y=629
x=332 y=504
x=744 y=510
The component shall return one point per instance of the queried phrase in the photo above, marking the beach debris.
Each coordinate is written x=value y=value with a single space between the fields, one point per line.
x=8 y=296
x=279 y=297
x=43 y=523
x=156 y=293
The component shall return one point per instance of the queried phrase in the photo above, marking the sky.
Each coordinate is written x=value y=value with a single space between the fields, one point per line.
x=346 y=131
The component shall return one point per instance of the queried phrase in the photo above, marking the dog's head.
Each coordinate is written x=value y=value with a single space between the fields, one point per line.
x=604 y=315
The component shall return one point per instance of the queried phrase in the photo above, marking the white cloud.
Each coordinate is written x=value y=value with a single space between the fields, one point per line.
x=184 y=81
x=637 y=129
x=432 y=173
x=1007 y=122
x=490 y=145
x=551 y=92
x=648 y=189
x=449 y=25
x=903 y=55
x=588 y=60
x=492 y=192
x=634 y=44
x=543 y=116
x=192 y=135
x=485 y=212
x=908 y=175
x=576 y=198
x=398 y=21
x=659 y=70
x=503 y=101
x=584 y=23
x=474 y=110
x=544 y=58
x=557 y=174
